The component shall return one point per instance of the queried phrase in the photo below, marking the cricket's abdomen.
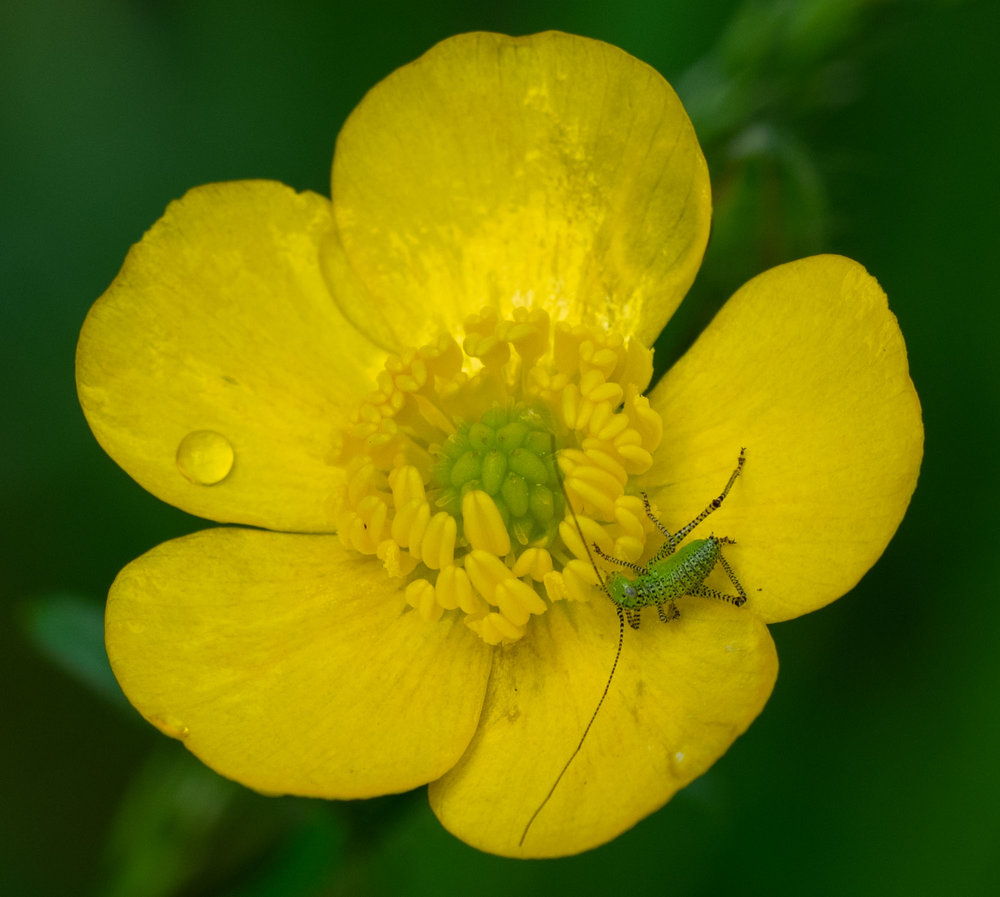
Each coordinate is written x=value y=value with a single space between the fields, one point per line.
x=678 y=574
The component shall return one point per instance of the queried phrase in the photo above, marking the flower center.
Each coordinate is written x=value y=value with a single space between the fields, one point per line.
x=451 y=475
x=509 y=454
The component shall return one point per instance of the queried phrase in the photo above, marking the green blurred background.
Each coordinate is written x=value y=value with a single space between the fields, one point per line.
x=866 y=128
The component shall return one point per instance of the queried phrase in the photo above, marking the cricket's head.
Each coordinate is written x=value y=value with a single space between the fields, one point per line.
x=622 y=590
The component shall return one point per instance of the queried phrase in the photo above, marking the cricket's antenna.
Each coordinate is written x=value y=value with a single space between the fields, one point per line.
x=614 y=666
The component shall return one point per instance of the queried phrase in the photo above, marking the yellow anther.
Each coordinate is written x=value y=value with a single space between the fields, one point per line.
x=373 y=511
x=509 y=631
x=369 y=413
x=491 y=351
x=418 y=526
x=443 y=357
x=484 y=527
x=510 y=607
x=406 y=484
x=631 y=516
x=597 y=389
x=453 y=589
x=360 y=475
x=628 y=548
x=518 y=601
x=628 y=436
x=525 y=595
x=420 y=596
x=637 y=459
x=555 y=588
x=528 y=332
x=569 y=459
x=592 y=496
x=383 y=445
x=570 y=405
x=595 y=453
x=495 y=628
x=432 y=414
x=576 y=409
x=603 y=359
x=482 y=322
x=549 y=385
x=437 y=549
x=407 y=383
x=611 y=393
x=600 y=479
x=614 y=428
x=481 y=340
x=525 y=338
x=361 y=430
x=533 y=562
x=600 y=416
x=410 y=524
x=592 y=531
x=514 y=332
x=486 y=571
x=583 y=414
x=580 y=580
x=357 y=535
x=646 y=422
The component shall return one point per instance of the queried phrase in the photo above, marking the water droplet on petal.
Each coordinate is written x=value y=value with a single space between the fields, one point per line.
x=205 y=457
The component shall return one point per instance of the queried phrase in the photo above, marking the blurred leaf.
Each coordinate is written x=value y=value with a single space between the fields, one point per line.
x=774 y=58
x=161 y=836
x=69 y=630
x=303 y=864
x=182 y=829
x=771 y=206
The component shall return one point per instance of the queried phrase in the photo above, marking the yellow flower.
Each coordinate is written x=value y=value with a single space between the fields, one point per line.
x=376 y=387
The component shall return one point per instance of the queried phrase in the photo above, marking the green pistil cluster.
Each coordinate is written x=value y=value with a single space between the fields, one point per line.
x=509 y=454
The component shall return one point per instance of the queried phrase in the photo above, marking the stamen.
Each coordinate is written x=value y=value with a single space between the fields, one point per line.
x=484 y=527
x=534 y=562
x=437 y=549
x=579 y=579
x=449 y=467
x=420 y=596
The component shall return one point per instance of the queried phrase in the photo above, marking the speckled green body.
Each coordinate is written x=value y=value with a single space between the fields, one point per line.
x=681 y=573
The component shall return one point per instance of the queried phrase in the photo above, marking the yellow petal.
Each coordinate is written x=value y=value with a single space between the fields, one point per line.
x=500 y=171
x=291 y=666
x=682 y=693
x=216 y=366
x=806 y=367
